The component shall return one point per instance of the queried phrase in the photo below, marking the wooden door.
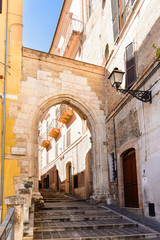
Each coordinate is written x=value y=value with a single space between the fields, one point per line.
x=70 y=179
x=57 y=181
x=130 y=180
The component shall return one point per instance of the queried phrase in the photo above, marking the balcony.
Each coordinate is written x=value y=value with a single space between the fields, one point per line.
x=66 y=116
x=45 y=143
x=54 y=132
x=72 y=36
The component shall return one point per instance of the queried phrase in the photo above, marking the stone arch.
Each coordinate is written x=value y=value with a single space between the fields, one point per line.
x=96 y=122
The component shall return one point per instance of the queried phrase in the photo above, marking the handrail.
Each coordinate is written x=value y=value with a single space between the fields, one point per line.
x=7 y=226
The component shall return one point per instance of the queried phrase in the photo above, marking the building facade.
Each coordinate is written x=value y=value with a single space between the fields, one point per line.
x=120 y=34
x=64 y=140
x=10 y=76
x=92 y=38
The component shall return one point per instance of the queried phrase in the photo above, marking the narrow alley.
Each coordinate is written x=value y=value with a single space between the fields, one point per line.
x=65 y=217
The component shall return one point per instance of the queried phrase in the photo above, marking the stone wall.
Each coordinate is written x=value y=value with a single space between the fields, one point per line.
x=48 y=80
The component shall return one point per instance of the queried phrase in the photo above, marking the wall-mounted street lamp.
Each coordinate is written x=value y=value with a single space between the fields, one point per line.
x=116 y=78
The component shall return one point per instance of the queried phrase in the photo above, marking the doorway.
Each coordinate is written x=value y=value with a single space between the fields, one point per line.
x=57 y=181
x=70 y=178
x=130 y=179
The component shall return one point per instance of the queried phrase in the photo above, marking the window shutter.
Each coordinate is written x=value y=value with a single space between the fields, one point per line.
x=0 y=6
x=115 y=18
x=56 y=150
x=64 y=142
x=130 y=66
x=68 y=137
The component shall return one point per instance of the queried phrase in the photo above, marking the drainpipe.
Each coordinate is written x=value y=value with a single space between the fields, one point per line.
x=4 y=112
x=115 y=149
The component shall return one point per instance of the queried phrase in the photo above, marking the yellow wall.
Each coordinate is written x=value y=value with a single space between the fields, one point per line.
x=13 y=79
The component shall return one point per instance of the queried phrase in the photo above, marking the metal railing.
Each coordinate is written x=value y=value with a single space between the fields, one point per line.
x=43 y=137
x=75 y=26
x=7 y=227
x=53 y=124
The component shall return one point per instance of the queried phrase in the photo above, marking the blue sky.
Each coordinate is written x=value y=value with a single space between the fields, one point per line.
x=40 y=18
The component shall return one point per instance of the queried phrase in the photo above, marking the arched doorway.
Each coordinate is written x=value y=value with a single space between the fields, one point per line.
x=56 y=180
x=96 y=126
x=46 y=182
x=69 y=178
x=87 y=177
x=130 y=179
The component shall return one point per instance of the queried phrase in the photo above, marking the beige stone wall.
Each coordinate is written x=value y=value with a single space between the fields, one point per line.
x=48 y=80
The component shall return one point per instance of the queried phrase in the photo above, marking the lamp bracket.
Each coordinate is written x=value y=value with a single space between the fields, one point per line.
x=144 y=96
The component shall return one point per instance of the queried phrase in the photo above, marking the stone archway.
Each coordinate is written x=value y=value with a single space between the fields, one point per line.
x=97 y=132
x=48 y=80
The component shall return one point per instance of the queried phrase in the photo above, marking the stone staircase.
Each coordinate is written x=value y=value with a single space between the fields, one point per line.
x=64 y=217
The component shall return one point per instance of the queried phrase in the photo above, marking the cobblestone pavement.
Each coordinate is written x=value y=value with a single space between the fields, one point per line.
x=66 y=218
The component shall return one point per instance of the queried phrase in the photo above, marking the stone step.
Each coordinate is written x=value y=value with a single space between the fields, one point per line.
x=81 y=225
x=58 y=207
x=97 y=234
x=56 y=200
x=72 y=218
x=69 y=212
x=62 y=219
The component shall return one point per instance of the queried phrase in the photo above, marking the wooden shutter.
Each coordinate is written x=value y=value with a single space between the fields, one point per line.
x=0 y=6
x=130 y=66
x=115 y=18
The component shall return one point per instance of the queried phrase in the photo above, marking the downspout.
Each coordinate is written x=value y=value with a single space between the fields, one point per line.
x=115 y=150
x=4 y=112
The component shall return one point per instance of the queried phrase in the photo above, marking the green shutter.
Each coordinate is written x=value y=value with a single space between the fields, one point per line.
x=115 y=18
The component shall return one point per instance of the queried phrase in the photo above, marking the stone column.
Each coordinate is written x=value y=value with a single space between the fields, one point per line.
x=17 y=202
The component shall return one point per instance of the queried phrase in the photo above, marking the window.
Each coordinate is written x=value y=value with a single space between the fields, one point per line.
x=130 y=66
x=120 y=12
x=115 y=18
x=68 y=137
x=106 y=51
x=0 y=6
x=56 y=150
x=64 y=142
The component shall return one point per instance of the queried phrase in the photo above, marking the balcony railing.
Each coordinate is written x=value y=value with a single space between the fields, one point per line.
x=44 y=140
x=53 y=124
x=75 y=26
x=7 y=227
